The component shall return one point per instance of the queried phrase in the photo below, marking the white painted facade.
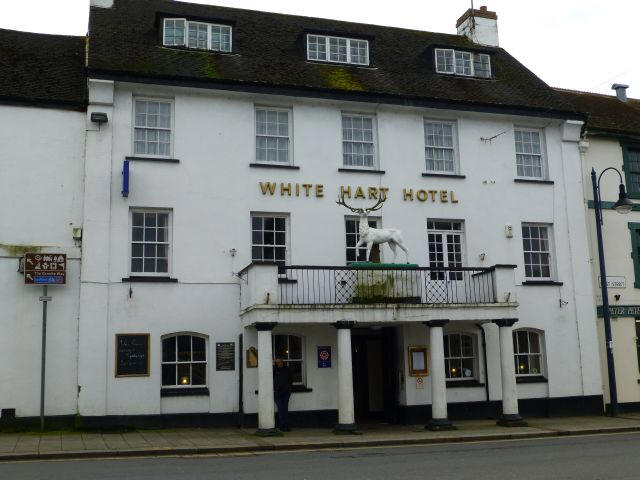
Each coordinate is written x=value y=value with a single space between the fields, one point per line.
x=601 y=152
x=213 y=190
x=41 y=187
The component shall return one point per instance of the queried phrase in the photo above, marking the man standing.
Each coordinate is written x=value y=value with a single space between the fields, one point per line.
x=281 y=392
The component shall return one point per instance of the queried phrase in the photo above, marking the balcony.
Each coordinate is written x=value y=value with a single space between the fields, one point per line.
x=375 y=292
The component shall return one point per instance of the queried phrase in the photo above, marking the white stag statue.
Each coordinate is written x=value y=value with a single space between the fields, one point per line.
x=370 y=236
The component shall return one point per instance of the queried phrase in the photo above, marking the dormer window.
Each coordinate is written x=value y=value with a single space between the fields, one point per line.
x=467 y=64
x=200 y=35
x=337 y=49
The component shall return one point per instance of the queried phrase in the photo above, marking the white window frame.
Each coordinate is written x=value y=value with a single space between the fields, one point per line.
x=474 y=357
x=171 y=128
x=459 y=276
x=376 y=220
x=454 y=69
x=550 y=250
x=256 y=135
x=191 y=362
x=169 y=242
x=541 y=354
x=542 y=154
x=184 y=36
x=454 y=147
x=303 y=353
x=210 y=27
x=328 y=54
x=287 y=234
x=374 y=139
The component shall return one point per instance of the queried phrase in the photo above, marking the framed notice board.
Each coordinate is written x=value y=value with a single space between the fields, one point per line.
x=132 y=355
x=225 y=356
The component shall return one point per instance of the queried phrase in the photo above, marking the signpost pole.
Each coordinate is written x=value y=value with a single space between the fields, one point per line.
x=44 y=352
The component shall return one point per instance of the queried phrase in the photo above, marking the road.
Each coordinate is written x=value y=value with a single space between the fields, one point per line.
x=611 y=457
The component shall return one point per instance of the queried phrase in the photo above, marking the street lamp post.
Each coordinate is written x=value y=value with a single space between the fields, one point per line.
x=623 y=205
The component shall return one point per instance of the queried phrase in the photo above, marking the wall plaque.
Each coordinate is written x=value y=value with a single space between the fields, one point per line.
x=252 y=357
x=132 y=355
x=225 y=356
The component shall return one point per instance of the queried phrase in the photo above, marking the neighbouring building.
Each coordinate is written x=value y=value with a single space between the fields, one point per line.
x=611 y=138
x=212 y=241
x=42 y=113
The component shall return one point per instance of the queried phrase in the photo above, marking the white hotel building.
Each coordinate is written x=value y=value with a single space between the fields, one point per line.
x=226 y=247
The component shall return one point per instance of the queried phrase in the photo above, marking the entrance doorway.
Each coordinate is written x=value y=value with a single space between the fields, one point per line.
x=375 y=389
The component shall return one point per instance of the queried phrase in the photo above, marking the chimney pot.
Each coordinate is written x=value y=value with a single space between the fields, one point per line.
x=621 y=91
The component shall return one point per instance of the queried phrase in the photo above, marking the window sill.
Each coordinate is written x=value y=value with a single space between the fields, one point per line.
x=274 y=165
x=464 y=383
x=361 y=170
x=184 y=392
x=443 y=175
x=529 y=283
x=533 y=180
x=533 y=379
x=150 y=279
x=297 y=389
x=153 y=159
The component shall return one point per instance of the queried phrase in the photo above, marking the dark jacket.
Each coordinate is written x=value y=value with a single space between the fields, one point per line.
x=282 y=380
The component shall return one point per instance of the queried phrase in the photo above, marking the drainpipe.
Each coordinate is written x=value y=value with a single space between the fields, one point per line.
x=240 y=382
x=484 y=359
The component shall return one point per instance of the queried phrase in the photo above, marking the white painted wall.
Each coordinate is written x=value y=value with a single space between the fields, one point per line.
x=603 y=152
x=41 y=190
x=213 y=190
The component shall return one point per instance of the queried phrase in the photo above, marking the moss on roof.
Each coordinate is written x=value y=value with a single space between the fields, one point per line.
x=269 y=50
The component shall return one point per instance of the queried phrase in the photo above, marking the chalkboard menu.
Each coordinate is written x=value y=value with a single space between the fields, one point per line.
x=226 y=356
x=132 y=355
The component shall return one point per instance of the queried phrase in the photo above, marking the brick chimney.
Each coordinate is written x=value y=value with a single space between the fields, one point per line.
x=480 y=26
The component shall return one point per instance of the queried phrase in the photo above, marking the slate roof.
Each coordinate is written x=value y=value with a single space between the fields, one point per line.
x=605 y=113
x=44 y=70
x=269 y=55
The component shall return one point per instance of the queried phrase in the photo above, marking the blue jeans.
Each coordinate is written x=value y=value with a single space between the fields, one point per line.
x=282 y=402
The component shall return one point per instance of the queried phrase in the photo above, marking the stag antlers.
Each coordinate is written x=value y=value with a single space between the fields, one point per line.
x=377 y=206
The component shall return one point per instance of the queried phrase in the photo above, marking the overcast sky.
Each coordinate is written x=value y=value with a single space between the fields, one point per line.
x=578 y=44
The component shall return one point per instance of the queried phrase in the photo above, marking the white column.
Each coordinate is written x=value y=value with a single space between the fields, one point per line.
x=439 y=419
x=346 y=412
x=266 y=407
x=510 y=416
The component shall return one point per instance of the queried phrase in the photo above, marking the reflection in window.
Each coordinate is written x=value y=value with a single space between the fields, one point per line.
x=289 y=348
x=459 y=356
x=527 y=351
x=184 y=361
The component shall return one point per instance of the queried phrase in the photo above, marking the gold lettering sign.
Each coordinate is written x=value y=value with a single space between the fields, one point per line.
x=289 y=189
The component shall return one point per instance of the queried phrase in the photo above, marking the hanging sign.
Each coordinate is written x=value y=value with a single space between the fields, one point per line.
x=45 y=268
x=324 y=357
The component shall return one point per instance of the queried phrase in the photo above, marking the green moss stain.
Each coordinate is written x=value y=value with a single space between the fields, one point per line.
x=19 y=250
x=339 y=78
x=209 y=69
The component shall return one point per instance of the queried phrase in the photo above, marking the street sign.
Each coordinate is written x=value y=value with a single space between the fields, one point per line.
x=45 y=268
x=621 y=311
x=614 y=282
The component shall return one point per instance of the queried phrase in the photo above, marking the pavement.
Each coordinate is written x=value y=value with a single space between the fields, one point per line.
x=190 y=441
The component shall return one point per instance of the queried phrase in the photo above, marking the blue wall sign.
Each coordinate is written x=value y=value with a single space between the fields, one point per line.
x=125 y=178
x=324 y=357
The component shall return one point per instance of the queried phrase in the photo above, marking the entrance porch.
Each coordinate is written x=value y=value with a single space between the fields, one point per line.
x=370 y=371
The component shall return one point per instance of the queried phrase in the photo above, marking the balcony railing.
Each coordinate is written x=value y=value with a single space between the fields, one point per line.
x=316 y=285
